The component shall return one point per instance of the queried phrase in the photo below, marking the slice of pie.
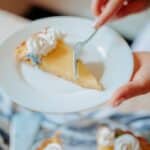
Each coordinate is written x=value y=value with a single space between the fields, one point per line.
x=60 y=63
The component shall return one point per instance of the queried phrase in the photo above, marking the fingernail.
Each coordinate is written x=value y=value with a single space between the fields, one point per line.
x=97 y=24
x=118 y=102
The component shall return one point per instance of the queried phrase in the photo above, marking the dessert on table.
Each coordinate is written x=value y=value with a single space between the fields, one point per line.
x=53 y=143
x=51 y=53
x=108 y=139
x=105 y=138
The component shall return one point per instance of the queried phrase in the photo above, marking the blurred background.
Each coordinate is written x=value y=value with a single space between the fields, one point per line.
x=34 y=9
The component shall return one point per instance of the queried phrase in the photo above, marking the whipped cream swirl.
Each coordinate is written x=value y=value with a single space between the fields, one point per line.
x=127 y=142
x=42 y=43
x=53 y=146
x=105 y=137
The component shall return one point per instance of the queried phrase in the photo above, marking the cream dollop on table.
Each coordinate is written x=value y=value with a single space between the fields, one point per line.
x=106 y=136
x=53 y=146
x=127 y=142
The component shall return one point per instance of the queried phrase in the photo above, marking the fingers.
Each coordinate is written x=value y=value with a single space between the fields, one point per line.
x=116 y=8
x=110 y=9
x=133 y=88
x=133 y=7
x=140 y=83
x=97 y=6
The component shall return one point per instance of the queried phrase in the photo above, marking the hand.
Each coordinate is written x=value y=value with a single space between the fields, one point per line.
x=106 y=10
x=140 y=81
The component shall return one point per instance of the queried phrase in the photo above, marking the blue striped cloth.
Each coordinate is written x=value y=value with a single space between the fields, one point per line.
x=28 y=128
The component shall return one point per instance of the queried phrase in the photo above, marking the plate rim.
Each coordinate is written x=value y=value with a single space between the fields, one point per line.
x=67 y=17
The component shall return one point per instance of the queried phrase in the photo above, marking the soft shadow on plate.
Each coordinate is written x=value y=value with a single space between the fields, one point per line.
x=97 y=68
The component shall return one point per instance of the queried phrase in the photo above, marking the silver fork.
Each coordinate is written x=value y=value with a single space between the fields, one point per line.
x=78 y=47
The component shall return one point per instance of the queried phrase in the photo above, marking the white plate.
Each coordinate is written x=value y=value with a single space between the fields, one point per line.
x=107 y=54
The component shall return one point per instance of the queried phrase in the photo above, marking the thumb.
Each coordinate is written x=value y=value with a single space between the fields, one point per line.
x=110 y=10
x=133 y=88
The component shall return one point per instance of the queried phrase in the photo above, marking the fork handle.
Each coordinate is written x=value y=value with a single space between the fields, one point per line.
x=90 y=37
